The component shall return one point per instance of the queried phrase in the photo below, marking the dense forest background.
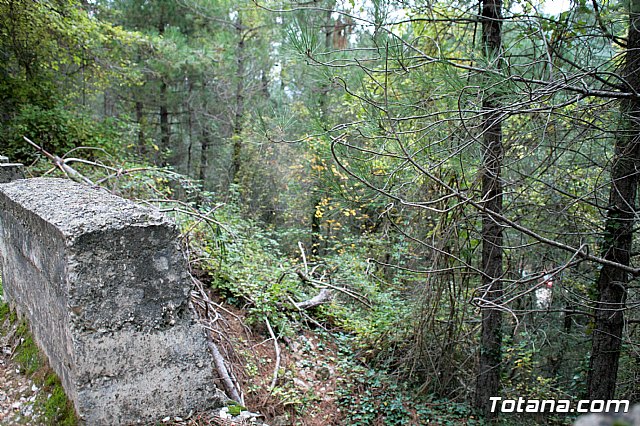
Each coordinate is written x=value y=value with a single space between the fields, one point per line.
x=454 y=182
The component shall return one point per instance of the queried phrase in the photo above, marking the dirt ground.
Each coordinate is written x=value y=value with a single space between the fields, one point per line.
x=294 y=384
x=17 y=392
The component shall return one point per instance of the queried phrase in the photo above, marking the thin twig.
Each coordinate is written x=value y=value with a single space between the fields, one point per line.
x=304 y=258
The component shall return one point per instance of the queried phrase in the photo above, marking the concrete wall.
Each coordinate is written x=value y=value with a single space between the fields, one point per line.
x=105 y=289
x=9 y=171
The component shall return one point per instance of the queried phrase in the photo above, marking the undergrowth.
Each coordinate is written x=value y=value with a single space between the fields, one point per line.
x=373 y=396
x=369 y=320
x=247 y=267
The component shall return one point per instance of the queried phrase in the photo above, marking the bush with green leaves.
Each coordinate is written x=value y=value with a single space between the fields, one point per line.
x=372 y=396
x=59 y=130
x=245 y=266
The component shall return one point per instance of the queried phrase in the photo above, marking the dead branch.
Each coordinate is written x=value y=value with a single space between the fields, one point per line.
x=274 y=380
x=304 y=258
x=61 y=164
x=324 y=285
x=208 y=313
x=229 y=386
x=325 y=296
x=306 y=316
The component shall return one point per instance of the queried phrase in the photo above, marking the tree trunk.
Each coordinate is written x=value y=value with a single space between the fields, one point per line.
x=190 y=114
x=236 y=158
x=165 y=135
x=618 y=234
x=140 y=120
x=488 y=380
x=205 y=143
x=322 y=108
x=315 y=232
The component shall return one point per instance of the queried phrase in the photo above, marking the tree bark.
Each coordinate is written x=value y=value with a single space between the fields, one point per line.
x=488 y=380
x=165 y=135
x=618 y=234
x=315 y=231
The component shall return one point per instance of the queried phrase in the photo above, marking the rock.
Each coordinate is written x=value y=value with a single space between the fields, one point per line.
x=323 y=373
x=280 y=421
x=224 y=413
x=632 y=418
x=248 y=415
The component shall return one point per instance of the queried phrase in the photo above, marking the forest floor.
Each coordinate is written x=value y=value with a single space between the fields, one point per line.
x=289 y=380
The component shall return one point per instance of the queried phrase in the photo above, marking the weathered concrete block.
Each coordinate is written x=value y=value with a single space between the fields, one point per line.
x=10 y=171
x=105 y=289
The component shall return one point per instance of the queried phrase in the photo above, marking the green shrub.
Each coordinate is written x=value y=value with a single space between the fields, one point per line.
x=58 y=130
